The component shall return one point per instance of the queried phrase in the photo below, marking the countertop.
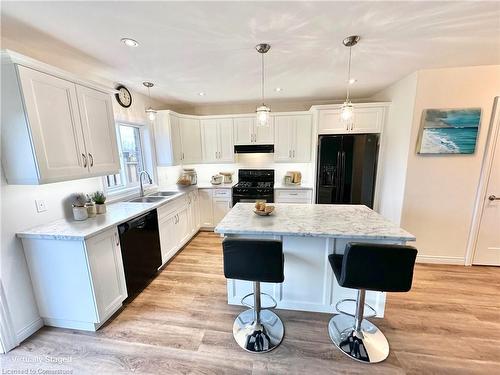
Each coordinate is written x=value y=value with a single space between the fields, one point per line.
x=116 y=214
x=208 y=185
x=312 y=220
x=281 y=186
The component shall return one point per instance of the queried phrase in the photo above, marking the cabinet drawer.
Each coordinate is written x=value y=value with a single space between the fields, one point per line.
x=222 y=193
x=171 y=207
x=293 y=196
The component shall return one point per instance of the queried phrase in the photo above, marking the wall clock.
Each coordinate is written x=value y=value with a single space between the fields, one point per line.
x=123 y=96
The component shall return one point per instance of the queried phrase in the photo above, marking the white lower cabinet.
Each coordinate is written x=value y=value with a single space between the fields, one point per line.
x=221 y=207
x=214 y=205
x=77 y=284
x=293 y=196
x=206 y=209
x=178 y=221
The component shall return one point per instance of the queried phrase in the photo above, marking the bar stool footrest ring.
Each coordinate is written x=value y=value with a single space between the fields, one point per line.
x=370 y=315
x=262 y=307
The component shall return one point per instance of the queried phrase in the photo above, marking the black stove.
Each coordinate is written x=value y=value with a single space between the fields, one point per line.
x=254 y=185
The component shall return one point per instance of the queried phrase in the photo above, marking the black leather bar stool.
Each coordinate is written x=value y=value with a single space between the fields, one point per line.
x=365 y=266
x=257 y=330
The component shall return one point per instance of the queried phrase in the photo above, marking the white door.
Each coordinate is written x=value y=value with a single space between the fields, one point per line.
x=206 y=209
x=191 y=140
x=96 y=112
x=210 y=140
x=264 y=135
x=168 y=240
x=175 y=134
x=221 y=206
x=302 y=139
x=226 y=143
x=488 y=241
x=52 y=108
x=243 y=130
x=331 y=123
x=283 y=128
x=368 y=120
x=106 y=268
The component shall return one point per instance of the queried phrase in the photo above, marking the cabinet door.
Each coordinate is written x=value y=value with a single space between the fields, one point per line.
x=221 y=206
x=106 y=269
x=168 y=240
x=52 y=109
x=182 y=229
x=301 y=150
x=368 y=120
x=264 y=135
x=243 y=130
x=195 y=204
x=331 y=123
x=206 y=209
x=99 y=132
x=226 y=143
x=175 y=133
x=191 y=140
x=284 y=135
x=163 y=140
x=210 y=140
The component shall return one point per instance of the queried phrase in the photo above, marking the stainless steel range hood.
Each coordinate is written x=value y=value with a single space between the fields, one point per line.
x=253 y=149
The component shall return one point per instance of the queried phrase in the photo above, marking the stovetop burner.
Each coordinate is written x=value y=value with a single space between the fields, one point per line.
x=254 y=184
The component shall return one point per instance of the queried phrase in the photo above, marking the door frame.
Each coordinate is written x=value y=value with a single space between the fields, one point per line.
x=492 y=139
x=8 y=337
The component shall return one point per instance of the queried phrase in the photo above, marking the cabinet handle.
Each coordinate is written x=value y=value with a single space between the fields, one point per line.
x=117 y=239
x=182 y=158
x=293 y=153
x=84 y=161
x=91 y=159
x=216 y=155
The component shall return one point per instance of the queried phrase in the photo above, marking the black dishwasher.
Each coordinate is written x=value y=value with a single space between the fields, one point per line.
x=141 y=253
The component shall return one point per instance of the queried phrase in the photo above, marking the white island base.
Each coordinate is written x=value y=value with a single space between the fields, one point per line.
x=310 y=284
x=309 y=234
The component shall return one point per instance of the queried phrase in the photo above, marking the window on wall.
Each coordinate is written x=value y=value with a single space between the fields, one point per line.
x=132 y=144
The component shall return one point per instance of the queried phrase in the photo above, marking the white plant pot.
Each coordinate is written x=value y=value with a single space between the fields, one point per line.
x=80 y=213
x=100 y=208
x=91 y=210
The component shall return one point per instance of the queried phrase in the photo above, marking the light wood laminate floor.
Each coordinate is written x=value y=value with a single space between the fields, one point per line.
x=181 y=324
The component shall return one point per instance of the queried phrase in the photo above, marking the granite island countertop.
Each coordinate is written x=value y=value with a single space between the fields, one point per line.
x=313 y=220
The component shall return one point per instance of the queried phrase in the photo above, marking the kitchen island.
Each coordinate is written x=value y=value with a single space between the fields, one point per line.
x=310 y=233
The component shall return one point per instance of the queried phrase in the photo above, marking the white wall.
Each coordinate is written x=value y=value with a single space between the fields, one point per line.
x=395 y=146
x=440 y=190
x=168 y=175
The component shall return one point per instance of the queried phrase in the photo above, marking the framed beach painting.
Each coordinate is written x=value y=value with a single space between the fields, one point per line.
x=449 y=131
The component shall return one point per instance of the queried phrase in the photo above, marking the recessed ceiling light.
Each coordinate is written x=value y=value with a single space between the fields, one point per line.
x=201 y=93
x=352 y=81
x=278 y=89
x=130 y=42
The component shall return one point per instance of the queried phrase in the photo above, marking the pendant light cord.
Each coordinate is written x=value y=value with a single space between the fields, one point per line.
x=263 y=78
x=349 y=73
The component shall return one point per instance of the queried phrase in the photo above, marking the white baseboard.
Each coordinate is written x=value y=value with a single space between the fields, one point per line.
x=440 y=259
x=30 y=329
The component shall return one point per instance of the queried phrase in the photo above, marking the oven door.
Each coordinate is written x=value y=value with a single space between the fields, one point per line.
x=268 y=198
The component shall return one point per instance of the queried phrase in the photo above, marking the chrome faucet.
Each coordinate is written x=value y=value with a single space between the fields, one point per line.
x=150 y=180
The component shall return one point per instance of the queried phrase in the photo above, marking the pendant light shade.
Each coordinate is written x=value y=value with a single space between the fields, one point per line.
x=263 y=110
x=150 y=111
x=347 y=109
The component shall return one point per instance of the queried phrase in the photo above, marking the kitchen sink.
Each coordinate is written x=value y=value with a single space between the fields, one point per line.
x=163 y=194
x=147 y=199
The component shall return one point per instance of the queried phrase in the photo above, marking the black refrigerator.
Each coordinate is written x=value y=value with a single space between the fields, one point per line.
x=347 y=166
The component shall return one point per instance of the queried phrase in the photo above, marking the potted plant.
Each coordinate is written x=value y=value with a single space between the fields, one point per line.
x=91 y=208
x=100 y=202
x=79 y=210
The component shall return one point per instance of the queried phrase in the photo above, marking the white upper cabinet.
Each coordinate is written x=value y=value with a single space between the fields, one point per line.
x=246 y=132
x=293 y=134
x=177 y=139
x=368 y=118
x=96 y=111
x=217 y=139
x=54 y=129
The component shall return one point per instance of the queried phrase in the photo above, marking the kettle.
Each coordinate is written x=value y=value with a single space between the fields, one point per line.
x=216 y=179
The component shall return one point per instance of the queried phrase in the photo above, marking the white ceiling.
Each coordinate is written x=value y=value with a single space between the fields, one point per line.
x=188 y=47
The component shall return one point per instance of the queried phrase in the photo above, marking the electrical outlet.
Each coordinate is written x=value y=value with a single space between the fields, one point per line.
x=40 y=205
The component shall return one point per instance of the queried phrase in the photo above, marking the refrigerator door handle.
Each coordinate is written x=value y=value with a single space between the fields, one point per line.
x=337 y=177
x=342 y=176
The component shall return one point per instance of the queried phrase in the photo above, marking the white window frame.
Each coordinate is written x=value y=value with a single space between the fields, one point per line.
x=148 y=161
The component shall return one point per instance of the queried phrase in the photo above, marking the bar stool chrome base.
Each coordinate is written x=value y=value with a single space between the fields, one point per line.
x=258 y=336
x=367 y=345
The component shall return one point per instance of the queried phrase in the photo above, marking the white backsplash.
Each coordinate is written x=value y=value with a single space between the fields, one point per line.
x=169 y=175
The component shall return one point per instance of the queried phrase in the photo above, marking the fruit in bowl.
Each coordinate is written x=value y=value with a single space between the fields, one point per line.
x=263 y=209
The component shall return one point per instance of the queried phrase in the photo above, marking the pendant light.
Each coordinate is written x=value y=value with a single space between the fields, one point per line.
x=347 y=110
x=263 y=110
x=150 y=111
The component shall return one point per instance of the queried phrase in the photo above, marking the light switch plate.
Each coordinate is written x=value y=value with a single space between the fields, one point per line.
x=40 y=205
